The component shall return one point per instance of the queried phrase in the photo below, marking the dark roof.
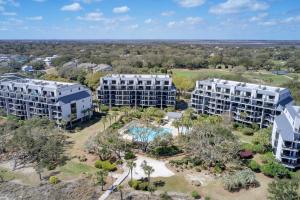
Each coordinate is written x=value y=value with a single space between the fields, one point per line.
x=284 y=103
x=74 y=97
x=285 y=128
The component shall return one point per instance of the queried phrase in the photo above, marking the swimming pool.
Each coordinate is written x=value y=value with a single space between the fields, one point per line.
x=149 y=134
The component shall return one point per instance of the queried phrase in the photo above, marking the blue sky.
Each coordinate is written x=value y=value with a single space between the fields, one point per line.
x=150 y=19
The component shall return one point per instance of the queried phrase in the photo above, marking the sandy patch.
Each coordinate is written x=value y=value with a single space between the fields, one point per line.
x=160 y=169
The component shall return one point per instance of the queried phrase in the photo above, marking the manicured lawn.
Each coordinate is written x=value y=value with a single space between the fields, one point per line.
x=74 y=169
x=263 y=77
x=200 y=74
x=175 y=183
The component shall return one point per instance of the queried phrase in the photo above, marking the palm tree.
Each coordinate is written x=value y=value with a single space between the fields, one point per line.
x=101 y=176
x=176 y=124
x=104 y=120
x=131 y=164
x=126 y=109
x=114 y=115
x=120 y=189
x=148 y=170
x=110 y=118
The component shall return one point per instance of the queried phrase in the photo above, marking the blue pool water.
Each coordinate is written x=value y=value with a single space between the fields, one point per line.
x=147 y=133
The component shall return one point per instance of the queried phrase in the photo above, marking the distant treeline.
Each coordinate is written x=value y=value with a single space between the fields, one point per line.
x=127 y=57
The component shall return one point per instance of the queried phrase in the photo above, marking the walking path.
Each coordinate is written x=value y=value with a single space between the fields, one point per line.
x=115 y=184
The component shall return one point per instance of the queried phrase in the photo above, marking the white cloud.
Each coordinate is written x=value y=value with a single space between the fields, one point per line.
x=122 y=9
x=72 y=7
x=90 y=1
x=190 y=3
x=148 y=21
x=268 y=23
x=291 y=19
x=193 y=20
x=9 y=13
x=258 y=17
x=134 y=26
x=40 y=1
x=93 y=16
x=171 y=24
x=35 y=18
x=189 y=21
x=236 y=6
x=167 y=13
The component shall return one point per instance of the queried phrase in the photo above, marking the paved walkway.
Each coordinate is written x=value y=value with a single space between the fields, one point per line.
x=115 y=184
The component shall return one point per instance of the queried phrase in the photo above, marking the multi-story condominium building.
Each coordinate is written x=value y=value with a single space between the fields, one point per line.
x=62 y=102
x=245 y=102
x=286 y=137
x=137 y=90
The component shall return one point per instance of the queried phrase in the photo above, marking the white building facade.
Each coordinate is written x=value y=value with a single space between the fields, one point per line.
x=286 y=137
x=246 y=103
x=59 y=101
x=137 y=90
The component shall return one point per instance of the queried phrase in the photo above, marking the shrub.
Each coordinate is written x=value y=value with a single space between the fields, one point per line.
x=207 y=198
x=106 y=165
x=165 y=196
x=241 y=179
x=98 y=164
x=104 y=108
x=247 y=131
x=246 y=154
x=274 y=169
x=134 y=184
x=254 y=166
x=117 y=125
x=115 y=109
x=143 y=186
x=166 y=151
x=268 y=158
x=195 y=195
x=53 y=180
x=129 y=155
x=258 y=148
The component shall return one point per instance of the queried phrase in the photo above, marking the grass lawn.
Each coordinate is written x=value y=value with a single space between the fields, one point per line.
x=7 y=175
x=216 y=191
x=243 y=138
x=263 y=77
x=74 y=169
x=175 y=183
x=199 y=74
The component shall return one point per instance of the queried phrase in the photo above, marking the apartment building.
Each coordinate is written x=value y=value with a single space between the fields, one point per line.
x=246 y=102
x=286 y=137
x=62 y=102
x=137 y=90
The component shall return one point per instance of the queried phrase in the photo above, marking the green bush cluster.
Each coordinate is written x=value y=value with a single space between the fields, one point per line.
x=255 y=148
x=195 y=195
x=53 y=180
x=129 y=155
x=274 y=169
x=117 y=125
x=186 y=161
x=254 y=166
x=106 y=165
x=247 y=131
x=166 y=151
x=139 y=185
